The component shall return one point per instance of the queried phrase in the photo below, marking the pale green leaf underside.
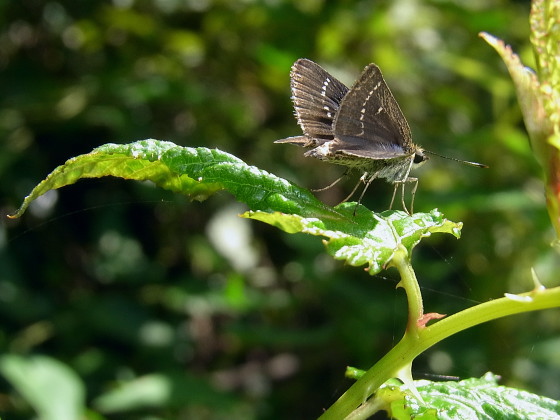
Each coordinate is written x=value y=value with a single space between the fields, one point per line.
x=372 y=239
x=53 y=390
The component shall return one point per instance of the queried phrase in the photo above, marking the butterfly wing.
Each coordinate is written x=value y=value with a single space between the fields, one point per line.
x=369 y=123
x=317 y=96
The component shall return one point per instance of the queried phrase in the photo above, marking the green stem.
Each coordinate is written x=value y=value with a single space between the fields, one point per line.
x=510 y=305
x=409 y=283
x=398 y=361
x=410 y=346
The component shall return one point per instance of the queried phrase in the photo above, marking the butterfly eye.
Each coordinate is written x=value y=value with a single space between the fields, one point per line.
x=419 y=157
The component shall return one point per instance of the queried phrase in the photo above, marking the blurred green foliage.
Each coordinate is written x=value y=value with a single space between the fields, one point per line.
x=168 y=309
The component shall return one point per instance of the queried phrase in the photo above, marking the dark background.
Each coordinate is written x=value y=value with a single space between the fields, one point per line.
x=118 y=280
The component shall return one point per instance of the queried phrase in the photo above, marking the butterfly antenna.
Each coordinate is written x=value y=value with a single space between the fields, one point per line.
x=466 y=162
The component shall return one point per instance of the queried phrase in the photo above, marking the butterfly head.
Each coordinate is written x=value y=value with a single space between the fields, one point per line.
x=419 y=157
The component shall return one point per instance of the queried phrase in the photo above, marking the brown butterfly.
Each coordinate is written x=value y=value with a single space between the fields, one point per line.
x=362 y=127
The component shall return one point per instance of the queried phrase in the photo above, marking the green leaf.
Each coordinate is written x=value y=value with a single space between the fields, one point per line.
x=354 y=234
x=369 y=238
x=162 y=390
x=539 y=94
x=527 y=87
x=196 y=172
x=469 y=399
x=49 y=386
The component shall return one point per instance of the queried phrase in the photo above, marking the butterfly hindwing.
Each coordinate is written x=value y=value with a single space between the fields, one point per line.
x=369 y=122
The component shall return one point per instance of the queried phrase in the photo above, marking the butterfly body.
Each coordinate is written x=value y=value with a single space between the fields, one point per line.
x=393 y=169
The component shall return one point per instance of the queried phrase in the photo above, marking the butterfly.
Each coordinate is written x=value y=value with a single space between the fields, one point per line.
x=361 y=128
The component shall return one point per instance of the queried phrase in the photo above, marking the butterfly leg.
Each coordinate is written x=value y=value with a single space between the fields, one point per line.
x=415 y=181
x=334 y=183
x=402 y=185
x=366 y=179
x=362 y=179
x=394 y=194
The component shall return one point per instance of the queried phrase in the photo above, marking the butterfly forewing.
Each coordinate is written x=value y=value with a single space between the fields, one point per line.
x=317 y=96
x=369 y=122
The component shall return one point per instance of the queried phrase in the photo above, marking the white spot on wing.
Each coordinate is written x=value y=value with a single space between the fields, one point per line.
x=326 y=84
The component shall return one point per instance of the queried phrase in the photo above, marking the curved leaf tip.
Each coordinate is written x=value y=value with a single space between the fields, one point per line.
x=195 y=172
